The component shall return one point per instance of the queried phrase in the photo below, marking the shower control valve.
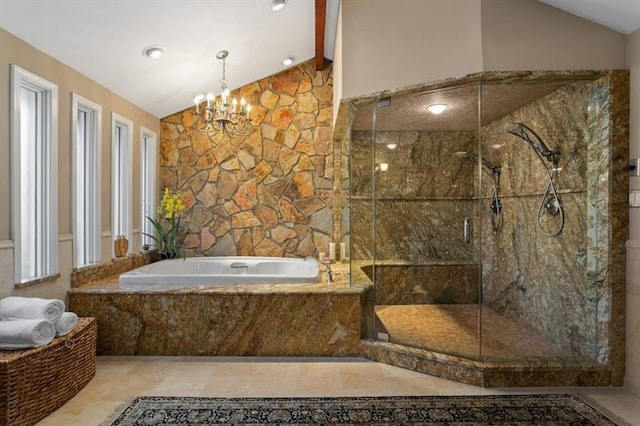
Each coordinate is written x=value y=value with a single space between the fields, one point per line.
x=553 y=205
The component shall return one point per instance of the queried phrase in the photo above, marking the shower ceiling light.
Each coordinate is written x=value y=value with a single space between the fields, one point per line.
x=277 y=5
x=392 y=145
x=153 y=52
x=437 y=108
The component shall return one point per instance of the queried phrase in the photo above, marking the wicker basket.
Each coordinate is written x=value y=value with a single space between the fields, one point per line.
x=36 y=382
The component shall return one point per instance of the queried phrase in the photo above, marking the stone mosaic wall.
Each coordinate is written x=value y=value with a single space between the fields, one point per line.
x=269 y=193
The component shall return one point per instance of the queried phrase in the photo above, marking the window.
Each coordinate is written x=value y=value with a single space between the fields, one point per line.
x=148 y=159
x=34 y=175
x=86 y=129
x=121 y=148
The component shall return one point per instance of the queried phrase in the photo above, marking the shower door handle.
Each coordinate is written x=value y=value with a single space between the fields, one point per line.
x=467 y=229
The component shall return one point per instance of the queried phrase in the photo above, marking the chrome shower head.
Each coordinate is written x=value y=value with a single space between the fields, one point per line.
x=524 y=132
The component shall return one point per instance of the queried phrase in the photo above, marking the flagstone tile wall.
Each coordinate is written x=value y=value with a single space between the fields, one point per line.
x=270 y=193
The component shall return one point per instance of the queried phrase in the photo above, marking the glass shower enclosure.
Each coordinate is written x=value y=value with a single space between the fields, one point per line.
x=481 y=226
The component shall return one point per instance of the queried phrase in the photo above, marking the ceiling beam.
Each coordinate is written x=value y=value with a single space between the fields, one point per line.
x=321 y=16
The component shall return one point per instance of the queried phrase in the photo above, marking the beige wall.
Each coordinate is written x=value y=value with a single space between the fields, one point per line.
x=15 y=51
x=392 y=44
x=632 y=377
x=388 y=45
x=529 y=35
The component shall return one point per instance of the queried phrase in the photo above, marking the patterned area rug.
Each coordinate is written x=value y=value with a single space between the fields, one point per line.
x=404 y=410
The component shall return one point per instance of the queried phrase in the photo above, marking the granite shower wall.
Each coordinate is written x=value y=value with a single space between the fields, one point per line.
x=574 y=281
x=424 y=174
x=536 y=279
x=266 y=194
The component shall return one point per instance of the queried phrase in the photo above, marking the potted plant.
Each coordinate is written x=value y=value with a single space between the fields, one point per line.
x=167 y=238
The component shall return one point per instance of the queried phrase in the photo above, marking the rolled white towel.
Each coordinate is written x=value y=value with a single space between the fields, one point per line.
x=66 y=323
x=31 y=308
x=26 y=333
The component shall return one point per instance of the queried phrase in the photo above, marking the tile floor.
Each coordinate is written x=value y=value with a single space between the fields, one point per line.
x=120 y=378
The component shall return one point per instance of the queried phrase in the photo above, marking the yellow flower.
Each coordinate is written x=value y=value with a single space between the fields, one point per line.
x=170 y=204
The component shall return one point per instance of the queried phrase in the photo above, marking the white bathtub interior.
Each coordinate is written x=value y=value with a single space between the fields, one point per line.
x=225 y=270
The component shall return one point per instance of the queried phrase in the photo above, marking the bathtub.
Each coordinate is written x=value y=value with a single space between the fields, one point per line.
x=223 y=270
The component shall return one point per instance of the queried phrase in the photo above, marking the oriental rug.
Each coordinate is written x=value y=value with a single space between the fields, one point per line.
x=540 y=409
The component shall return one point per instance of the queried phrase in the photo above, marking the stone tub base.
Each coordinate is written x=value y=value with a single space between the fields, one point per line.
x=234 y=320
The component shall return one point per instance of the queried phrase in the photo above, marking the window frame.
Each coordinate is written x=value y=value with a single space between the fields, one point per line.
x=121 y=178
x=148 y=183
x=46 y=159
x=87 y=248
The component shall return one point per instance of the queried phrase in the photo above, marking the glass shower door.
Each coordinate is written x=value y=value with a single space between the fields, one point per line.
x=422 y=174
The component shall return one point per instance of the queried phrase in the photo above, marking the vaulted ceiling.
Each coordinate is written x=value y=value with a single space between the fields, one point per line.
x=105 y=39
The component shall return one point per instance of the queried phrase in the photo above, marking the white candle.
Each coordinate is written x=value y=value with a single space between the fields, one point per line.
x=321 y=256
x=343 y=252
x=332 y=251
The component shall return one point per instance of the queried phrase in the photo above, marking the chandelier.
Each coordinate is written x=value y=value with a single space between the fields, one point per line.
x=220 y=115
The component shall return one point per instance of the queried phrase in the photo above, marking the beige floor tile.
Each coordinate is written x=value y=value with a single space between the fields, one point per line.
x=120 y=378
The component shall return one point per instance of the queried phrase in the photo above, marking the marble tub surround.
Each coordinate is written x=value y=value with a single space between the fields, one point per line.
x=266 y=194
x=97 y=272
x=320 y=319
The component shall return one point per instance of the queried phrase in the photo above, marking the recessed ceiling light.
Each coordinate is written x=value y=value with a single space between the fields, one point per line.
x=437 y=108
x=153 y=52
x=277 y=5
x=288 y=60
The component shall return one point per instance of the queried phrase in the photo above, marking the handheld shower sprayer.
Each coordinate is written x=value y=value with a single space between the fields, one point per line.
x=550 y=201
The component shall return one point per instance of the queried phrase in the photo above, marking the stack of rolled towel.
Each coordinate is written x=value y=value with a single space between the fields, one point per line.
x=30 y=322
